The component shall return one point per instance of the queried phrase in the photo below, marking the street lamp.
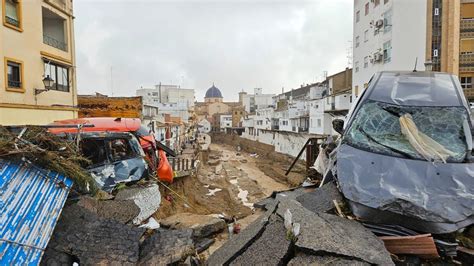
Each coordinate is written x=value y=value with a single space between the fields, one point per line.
x=48 y=84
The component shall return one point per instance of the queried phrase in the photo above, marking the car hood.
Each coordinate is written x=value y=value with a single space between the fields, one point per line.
x=424 y=196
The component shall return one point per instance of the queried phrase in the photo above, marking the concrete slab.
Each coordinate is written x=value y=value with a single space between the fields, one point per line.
x=326 y=233
x=232 y=248
x=271 y=248
x=321 y=199
x=167 y=247
x=202 y=225
x=148 y=199
x=318 y=260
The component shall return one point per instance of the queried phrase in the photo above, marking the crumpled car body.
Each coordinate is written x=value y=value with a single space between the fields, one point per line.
x=383 y=176
x=116 y=158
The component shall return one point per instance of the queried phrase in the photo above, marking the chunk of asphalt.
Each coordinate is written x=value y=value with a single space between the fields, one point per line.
x=204 y=244
x=263 y=203
x=307 y=259
x=95 y=240
x=166 y=247
x=148 y=199
x=235 y=246
x=321 y=199
x=326 y=233
x=202 y=225
x=271 y=248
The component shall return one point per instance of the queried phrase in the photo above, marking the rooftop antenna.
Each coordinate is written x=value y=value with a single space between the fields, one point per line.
x=416 y=62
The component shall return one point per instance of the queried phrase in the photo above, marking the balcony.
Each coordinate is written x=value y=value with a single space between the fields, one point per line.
x=467 y=28
x=469 y=93
x=54 y=30
x=275 y=127
x=466 y=62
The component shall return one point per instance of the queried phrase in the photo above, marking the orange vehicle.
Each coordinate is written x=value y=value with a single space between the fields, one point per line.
x=155 y=151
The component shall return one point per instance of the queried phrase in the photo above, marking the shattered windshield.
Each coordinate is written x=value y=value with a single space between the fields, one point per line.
x=377 y=128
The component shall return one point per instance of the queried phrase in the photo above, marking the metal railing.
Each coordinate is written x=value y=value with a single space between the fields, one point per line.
x=55 y=43
x=12 y=21
x=466 y=62
x=14 y=84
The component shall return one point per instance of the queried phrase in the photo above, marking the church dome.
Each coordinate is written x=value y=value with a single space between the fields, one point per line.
x=213 y=92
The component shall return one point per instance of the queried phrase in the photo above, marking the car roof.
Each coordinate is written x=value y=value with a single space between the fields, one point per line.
x=100 y=124
x=416 y=89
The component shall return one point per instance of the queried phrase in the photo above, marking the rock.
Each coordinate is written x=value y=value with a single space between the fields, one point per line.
x=321 y=199
x=313 y=260
x=239 y=242
x=122 y=211
x=166 y=247
x=148 y=199
x=204 y=244
x=326 y=233
x=271 y=248
x=264 y=202
x=243 y=161
x=202 y=225
x=93 y=239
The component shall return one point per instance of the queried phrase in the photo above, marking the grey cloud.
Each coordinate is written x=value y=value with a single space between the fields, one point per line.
x=236 y=44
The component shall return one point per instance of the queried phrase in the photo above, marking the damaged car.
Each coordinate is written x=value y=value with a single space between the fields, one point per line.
x=406 y=153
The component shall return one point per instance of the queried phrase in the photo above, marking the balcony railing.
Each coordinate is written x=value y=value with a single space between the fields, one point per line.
x=467 y=28
x=466 y=62
x=12 y=21
x=55 y=43
x=14 y=84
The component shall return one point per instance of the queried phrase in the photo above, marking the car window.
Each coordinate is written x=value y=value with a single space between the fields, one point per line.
x=120 y=149
x=94 y=150
x=376 y=128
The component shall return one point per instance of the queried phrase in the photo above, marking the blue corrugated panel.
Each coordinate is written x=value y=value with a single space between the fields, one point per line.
x=31 y=200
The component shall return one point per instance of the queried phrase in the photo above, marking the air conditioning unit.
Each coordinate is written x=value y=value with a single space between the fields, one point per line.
x=379 y=23
x=378 y=57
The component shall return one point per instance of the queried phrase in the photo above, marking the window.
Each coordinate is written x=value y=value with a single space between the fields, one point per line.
x=376 y=2
x=357 y=41
x=385 y=1
x=14 y=77
x=12 y=14
x=59 y=74
x=357 y=16
x=387 y=52
x=356 y=66
x=366 y=62
x=387 y=21
x=466 y=82
x=319 y=122
x=366 y=36
x=367 y=8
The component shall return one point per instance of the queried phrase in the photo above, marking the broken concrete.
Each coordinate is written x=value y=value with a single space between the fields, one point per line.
x=321 y=200
x=326 y=233
x=202 y=225
x=147 y=198
x=167 y=247
x=122 y=211
x=314 y=260
x=231 y=249
x=94 y=240
x=271 y=248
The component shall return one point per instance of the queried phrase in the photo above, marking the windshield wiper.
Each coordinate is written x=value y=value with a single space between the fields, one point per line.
x=406 y=155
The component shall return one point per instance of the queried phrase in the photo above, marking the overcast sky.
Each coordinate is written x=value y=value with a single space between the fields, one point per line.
x=237 y=44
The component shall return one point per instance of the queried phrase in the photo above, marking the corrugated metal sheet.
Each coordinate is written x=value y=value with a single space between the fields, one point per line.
x=31 y=200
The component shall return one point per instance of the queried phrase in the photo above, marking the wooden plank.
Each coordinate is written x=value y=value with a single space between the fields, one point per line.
x=420 y=245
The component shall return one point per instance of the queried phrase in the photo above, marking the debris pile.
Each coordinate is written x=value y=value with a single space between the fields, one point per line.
x=36 y=146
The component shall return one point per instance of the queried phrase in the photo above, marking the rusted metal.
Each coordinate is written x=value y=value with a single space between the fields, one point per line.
x=419 y=245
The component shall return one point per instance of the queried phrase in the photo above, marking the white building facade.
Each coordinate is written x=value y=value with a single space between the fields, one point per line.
x=225 y=122
x=258 y=100
x=388 y=35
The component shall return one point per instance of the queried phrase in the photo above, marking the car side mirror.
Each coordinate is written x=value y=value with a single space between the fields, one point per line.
x=338 y=125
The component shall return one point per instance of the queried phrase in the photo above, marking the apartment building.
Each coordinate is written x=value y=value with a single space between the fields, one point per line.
x=388 y=35
x=38 y=84
x=438 y=33
x=162 y=93
x=252 y=102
